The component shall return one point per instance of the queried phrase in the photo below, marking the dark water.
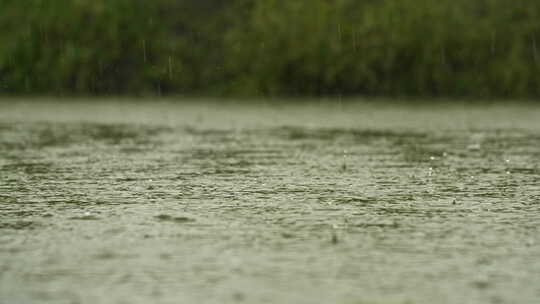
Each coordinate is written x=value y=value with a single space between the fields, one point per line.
x=205 y=203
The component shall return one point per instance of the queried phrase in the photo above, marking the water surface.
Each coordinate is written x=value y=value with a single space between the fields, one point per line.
x=207 y=202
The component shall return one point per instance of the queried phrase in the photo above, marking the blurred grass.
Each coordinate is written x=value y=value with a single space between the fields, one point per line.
x=480 y=48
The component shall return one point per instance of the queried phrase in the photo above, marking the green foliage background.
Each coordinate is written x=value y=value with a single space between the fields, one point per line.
x=480 y=48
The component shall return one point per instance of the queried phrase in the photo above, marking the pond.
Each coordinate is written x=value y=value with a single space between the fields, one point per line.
x=208 y=201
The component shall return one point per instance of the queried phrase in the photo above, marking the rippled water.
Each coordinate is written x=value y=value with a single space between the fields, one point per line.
x=128 y=202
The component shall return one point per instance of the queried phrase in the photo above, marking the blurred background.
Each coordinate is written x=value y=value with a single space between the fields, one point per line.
x=457 y=48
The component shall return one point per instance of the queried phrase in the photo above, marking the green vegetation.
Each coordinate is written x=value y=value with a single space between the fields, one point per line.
x=480 y=48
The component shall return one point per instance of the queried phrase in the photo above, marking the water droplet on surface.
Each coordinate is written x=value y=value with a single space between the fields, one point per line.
x=473 y=147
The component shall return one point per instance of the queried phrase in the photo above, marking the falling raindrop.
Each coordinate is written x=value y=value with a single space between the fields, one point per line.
x=354 y=40
x=344 y=164
x=170 y=67
x=507 y=169
x=535 y=53
x=493 y=33
x=443 y=55
x=144 y=50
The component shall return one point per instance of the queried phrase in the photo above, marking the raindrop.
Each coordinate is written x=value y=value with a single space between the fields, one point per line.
x=144 y=50
x=535 y=52
x=474 y=147
x=493 y=33
x=344 y=163
x=170 y=67
x=354 y=41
